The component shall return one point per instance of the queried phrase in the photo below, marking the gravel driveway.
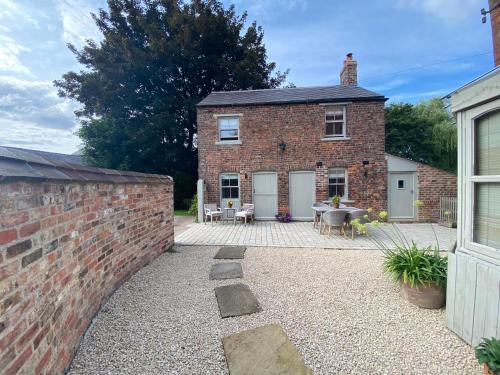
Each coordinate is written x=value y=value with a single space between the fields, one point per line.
x=341 y=312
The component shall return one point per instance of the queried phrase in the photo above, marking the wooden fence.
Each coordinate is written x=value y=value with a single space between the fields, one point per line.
x=448 y=209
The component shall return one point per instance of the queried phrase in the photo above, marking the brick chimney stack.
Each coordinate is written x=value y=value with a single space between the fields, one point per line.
x=495 y=28
x=349 y=73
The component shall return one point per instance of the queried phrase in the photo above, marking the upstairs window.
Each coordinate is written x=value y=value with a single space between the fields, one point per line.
x=335 y=123
x=229 y=128
x=337 y=183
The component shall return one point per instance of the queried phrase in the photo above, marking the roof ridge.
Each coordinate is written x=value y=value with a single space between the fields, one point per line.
x=281 y=88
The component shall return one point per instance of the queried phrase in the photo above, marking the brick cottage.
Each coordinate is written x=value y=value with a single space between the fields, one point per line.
x=283 y=149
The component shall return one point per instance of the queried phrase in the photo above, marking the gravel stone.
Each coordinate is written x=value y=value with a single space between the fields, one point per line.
x=340 y=311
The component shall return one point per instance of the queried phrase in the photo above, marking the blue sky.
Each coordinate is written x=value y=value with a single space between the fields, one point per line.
x=403 y=49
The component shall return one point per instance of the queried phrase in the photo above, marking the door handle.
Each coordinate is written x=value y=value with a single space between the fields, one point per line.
x=411 y=191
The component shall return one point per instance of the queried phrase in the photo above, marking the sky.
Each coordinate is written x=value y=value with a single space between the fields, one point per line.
x=407 y=50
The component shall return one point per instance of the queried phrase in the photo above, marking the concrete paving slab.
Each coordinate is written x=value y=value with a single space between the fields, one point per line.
x=231 y=252
x=263 y=351
x=227 y=270
x=236 y=300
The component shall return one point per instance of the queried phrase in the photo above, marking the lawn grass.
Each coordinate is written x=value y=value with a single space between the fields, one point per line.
x=181 y=213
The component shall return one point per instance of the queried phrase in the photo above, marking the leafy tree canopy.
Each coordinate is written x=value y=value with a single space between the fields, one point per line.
x=140 y=85
x=424 y=132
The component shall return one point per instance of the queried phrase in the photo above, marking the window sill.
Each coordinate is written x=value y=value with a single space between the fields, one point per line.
x=227 y=143
x=335 y=139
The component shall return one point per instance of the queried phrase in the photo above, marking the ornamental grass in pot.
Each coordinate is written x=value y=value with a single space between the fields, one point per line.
x=421 y=272
x=488 y=355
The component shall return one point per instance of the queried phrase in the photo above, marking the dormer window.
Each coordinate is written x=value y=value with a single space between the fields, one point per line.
x=229 y=129
x=335 y=124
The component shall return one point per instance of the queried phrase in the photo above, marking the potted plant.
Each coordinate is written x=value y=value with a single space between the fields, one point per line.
x=488 y=355
x=336 y=201
x=420 y=272
x=283 y=218
x=230 y=204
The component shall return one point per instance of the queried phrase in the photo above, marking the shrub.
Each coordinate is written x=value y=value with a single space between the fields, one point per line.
x=488 y=351
x=193 y=209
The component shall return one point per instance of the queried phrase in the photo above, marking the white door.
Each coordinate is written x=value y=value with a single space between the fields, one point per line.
x=265 y=195
x=302 y=194
x=402 y=195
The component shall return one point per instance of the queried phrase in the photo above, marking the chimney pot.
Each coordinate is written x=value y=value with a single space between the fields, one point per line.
x=349 y=73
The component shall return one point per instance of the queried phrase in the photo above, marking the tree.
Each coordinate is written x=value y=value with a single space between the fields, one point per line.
x=140 y=85
x=424 y=132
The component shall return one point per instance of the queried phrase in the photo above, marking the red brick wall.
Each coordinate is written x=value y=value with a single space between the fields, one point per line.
x=495 y=29
x=65 y=247
x=301 y=127
x=433 y=184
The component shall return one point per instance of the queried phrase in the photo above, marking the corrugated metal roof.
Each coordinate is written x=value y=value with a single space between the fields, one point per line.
x=24 y=163
x=290 y=95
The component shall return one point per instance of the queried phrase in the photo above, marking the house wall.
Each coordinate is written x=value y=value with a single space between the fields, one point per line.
x=473 y=289
x=433 y=183
x=301 y=127
x=64 y=249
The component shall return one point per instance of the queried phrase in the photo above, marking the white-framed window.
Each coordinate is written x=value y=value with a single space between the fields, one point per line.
x=335 y=121
x=229 y=128
x=485 y=178
x=337 y=183
x=230 y=186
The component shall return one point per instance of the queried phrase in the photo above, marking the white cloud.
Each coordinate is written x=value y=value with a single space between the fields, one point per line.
x=30 y=135
x=264 y=8
x=449 y=11
x=9 y=56
x=13 y=11
x=35 y=102
x=78 y=25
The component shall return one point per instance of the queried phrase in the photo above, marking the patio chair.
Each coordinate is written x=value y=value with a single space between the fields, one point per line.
x=317 y=214
x=213 y=211
x=246 y=212
x=356 y=214
x=334 y=219
x=229 y=214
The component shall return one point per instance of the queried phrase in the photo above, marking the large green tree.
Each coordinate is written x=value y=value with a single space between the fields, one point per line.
x=424 y=132
x=141 y=83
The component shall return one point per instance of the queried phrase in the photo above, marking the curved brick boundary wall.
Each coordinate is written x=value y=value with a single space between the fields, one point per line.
x=65 y=247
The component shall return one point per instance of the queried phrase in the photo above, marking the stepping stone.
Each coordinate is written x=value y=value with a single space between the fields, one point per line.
x=224 y=271
x=231 y=252
x=263 y=351
x=236 y=300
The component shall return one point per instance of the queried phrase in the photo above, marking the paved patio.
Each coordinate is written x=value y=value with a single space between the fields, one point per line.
x=302 y=234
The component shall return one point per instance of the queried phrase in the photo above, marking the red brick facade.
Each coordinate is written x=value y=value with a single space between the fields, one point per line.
x=65 y=247
x=433 y=184
x=494 y=7
x=301 y=127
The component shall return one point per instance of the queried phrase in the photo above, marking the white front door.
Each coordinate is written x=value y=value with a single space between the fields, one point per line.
x=302 y=194
x=265 y=195
x=402 y=196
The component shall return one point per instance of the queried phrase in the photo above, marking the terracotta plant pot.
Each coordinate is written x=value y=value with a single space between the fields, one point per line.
x=486 y=370
x=427 y=295
x=336 y=205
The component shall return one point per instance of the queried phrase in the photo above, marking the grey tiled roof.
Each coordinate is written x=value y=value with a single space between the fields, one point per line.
x=25 y=163
x=290 y=95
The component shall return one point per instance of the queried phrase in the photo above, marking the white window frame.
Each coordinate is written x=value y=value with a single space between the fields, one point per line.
x=467 y=179
x=346 y=183
x=226 y=117
x=344 y=121
x=221 y=177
